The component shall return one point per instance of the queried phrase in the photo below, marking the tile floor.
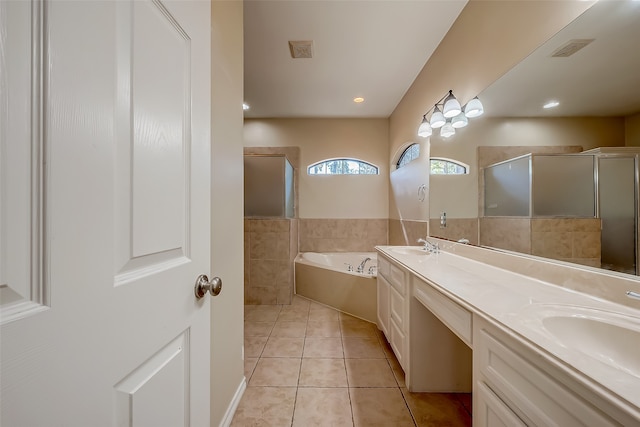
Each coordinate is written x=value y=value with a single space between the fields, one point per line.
x=309 y=365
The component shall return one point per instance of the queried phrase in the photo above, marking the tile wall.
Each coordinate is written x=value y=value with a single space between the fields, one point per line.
x=456 y=229
x=574 y=240
x=270 y=247
x=342 y=235
x=404 y=232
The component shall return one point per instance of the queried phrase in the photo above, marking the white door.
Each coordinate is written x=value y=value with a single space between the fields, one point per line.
x=104 y=215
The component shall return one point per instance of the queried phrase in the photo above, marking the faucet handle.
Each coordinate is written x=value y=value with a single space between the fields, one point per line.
x=349 y=266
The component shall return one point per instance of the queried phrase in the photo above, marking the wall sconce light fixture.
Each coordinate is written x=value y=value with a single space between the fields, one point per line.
x=448 y=116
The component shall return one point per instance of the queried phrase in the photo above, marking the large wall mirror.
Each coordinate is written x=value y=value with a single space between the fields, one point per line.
x=592 y=69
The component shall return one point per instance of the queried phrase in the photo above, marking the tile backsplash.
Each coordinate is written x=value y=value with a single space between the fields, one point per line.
x=406 y=233
x=342 y=235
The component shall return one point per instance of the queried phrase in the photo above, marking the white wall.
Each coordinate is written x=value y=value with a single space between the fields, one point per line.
x=346 y=196
x=227 y=314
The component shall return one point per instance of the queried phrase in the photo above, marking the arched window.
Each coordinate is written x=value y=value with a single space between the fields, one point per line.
x=442 y=166
x=342 y=167
x=410 y=153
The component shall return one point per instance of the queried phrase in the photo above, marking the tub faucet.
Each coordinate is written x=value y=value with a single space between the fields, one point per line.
x=362 y=264
x=428 y=246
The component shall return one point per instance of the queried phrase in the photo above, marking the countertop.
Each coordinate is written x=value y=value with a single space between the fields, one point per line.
x=518 y=304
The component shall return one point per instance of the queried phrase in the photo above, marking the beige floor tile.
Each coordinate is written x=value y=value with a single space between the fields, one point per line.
x=283 y=347
x=257 y=329
x=398 y=372
x=253 y=346
x=437 y=409
x=321 y=347
x=284 y=328
x=293 y=316
x=379 y=407
x=323 y=328
x=353 y=327
x=249 y=365
x=362 y=348
x=298 y=304
x=322 y=407
x=276 y=372
x=319 y=312
x=369 y=373
x=311 y=365
x=323 y=373
x=261 y=313
x=265 y=406
x=386 y=347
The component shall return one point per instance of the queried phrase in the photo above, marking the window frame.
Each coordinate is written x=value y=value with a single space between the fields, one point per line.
x=449 y=161
x=344 y=159
x=406 y=152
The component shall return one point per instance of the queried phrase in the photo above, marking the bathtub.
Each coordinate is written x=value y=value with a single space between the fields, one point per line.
x=324 y=277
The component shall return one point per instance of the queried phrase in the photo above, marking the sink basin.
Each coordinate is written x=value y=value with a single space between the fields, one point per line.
x=608 y=337
x=614 y=344
x=409 y=250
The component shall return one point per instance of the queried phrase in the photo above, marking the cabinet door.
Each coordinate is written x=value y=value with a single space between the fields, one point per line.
x=491 y=411
x=383 y=305
x=537 y=391
x=397 y=343
x=396 y=308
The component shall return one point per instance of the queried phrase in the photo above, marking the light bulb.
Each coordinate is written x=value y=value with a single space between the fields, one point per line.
x=459 y=121
x=425 y=128
x=437 y=118
x=447 y=131
x=474 y=108
x=451 y=106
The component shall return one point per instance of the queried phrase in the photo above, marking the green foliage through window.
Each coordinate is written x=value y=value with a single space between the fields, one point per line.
x=342 y=167
x=447 y=167
x=410 y=153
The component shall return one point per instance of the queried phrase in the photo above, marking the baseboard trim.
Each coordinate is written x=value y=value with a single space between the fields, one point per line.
x=231 y=409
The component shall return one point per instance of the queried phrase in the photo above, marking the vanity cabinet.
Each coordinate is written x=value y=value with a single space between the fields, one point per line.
x=392 y=306
x=515 y=384
x=449 y=337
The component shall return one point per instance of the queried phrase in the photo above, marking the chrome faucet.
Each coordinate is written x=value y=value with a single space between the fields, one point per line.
x=428 y=246
x=362 y=264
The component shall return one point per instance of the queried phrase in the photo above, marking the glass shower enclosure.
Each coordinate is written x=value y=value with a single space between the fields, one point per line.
x=268 y=186
x=601 y=183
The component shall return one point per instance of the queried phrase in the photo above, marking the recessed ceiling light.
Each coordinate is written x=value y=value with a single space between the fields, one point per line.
x=551 y=104
x=358 y=100
x=245 y=106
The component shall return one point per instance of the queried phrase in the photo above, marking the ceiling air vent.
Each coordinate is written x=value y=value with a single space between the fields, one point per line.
x=571 y=47
x=301 y=49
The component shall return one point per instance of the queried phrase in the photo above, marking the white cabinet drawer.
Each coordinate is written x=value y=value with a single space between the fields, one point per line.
x=383 y=266
x=537 y=396
x=456 y=317
x=397 y=308
x=398 y=279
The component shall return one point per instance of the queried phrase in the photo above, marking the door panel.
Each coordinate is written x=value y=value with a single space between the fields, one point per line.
x=154 y=140
x=164 y=377
x=22 y=288
x=123 y=173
